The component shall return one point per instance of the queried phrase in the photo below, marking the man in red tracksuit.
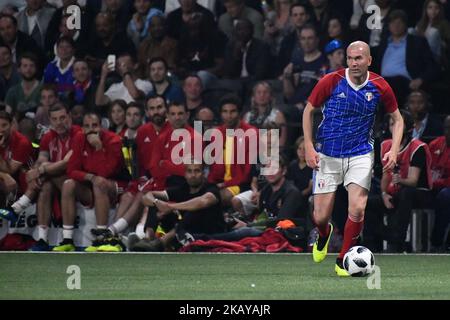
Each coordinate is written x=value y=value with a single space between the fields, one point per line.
x=15 y=159
x=440 y=168
x=130 y=207
x=49 y=172
x=165 y=172
x=96 y=175
x=229 y=175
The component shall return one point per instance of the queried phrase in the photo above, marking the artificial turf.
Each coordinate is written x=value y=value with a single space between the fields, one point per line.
x=216 y=276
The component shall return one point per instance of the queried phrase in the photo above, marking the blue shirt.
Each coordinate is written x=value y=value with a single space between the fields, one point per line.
x=394 y=59
x=349 y=112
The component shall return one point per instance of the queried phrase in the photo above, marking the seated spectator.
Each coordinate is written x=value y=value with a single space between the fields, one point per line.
x=158 y=44
x=280 y=199
x=427 y=125
x=57 y=28
x=84 y=86
x=18 y=41
x=336 y=55
x=162 y=84
x=117 y=117
x=48 y=174
x=193 y=89
x=129 y=89
x=177 y=19
x=301 y=175
x=77 y=113
x=34 y=20
x=230 y=175
x=95 y=174
x=405 y=61
x=15 y=160
x=405 y=187
x=49 y=98
x=164 y=170
x=25 y=96
x=263 y=111
x=246 y=56
x=197 y=203
x=201 y=50
x=436 y=29
x=139 y=26
x=321 y=14
x=237 y=10
x=302 y=74
x=107 y=40
x=338 y=30
x=440 y=168
x=207 y=118
x=9 y=75
x=130 y=206
x=120 y=10
x=300 y=14
x=277 y=24
x=133 y=120
x=60 y=71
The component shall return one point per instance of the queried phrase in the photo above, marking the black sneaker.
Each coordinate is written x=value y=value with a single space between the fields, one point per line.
x=146 y=245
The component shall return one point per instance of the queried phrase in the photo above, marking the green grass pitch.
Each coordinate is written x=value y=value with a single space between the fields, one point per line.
x=216 y=276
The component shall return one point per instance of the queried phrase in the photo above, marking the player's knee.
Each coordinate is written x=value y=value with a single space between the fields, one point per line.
x=356 y=210
x=68 y=187
x=236 y=203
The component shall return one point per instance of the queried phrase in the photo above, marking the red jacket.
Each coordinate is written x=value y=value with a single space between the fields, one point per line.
x=161 y=164
x=57 y=148
x=440 y=163
x=146 y=140
x=240 y=173
x=106 y=163
x=404 y=158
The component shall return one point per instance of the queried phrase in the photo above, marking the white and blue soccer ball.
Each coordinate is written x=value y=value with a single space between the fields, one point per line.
x=359 y=261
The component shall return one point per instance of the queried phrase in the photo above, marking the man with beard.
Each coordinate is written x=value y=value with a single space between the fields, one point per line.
x=25 y=95
x=49 y=171
x=197 y=202
x=161 y=83
x=164 y=170
x=130 y=206
x=96 y=177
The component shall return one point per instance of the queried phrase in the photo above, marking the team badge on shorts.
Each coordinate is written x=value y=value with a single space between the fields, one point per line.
x=369 y=96
x=321 y=183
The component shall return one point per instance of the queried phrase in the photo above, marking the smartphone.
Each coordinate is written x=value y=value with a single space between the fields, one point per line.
x=112 y=62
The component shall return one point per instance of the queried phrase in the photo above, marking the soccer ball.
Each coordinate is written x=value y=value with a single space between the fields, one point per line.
x=359 y=261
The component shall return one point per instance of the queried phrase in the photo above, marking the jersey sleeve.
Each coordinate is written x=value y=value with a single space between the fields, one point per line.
x=387 y=96
x=323 y=90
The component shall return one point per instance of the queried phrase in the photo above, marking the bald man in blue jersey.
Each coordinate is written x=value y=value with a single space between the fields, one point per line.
x=343 y=149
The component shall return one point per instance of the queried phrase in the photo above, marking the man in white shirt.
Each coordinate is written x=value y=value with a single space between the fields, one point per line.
x=130 y=89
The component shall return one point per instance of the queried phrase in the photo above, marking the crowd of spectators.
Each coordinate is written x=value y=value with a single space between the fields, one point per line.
x=87 y=114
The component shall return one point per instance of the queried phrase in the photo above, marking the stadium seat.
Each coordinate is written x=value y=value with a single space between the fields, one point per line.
x=418 y=237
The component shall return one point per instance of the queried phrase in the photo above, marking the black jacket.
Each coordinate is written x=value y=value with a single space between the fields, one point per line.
x=419 y=58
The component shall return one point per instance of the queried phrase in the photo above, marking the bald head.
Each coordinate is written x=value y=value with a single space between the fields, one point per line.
x=358 y=61
x=359 y=46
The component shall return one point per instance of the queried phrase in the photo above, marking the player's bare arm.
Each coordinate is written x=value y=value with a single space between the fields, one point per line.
x=312 y=157
x=397 y=134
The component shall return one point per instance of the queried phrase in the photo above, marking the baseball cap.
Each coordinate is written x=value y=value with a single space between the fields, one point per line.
x=333 y=46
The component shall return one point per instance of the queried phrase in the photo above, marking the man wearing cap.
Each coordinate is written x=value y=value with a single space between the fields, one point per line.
x=335 y=55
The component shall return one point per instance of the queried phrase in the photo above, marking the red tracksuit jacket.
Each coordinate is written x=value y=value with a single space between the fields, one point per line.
x=106 y=163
